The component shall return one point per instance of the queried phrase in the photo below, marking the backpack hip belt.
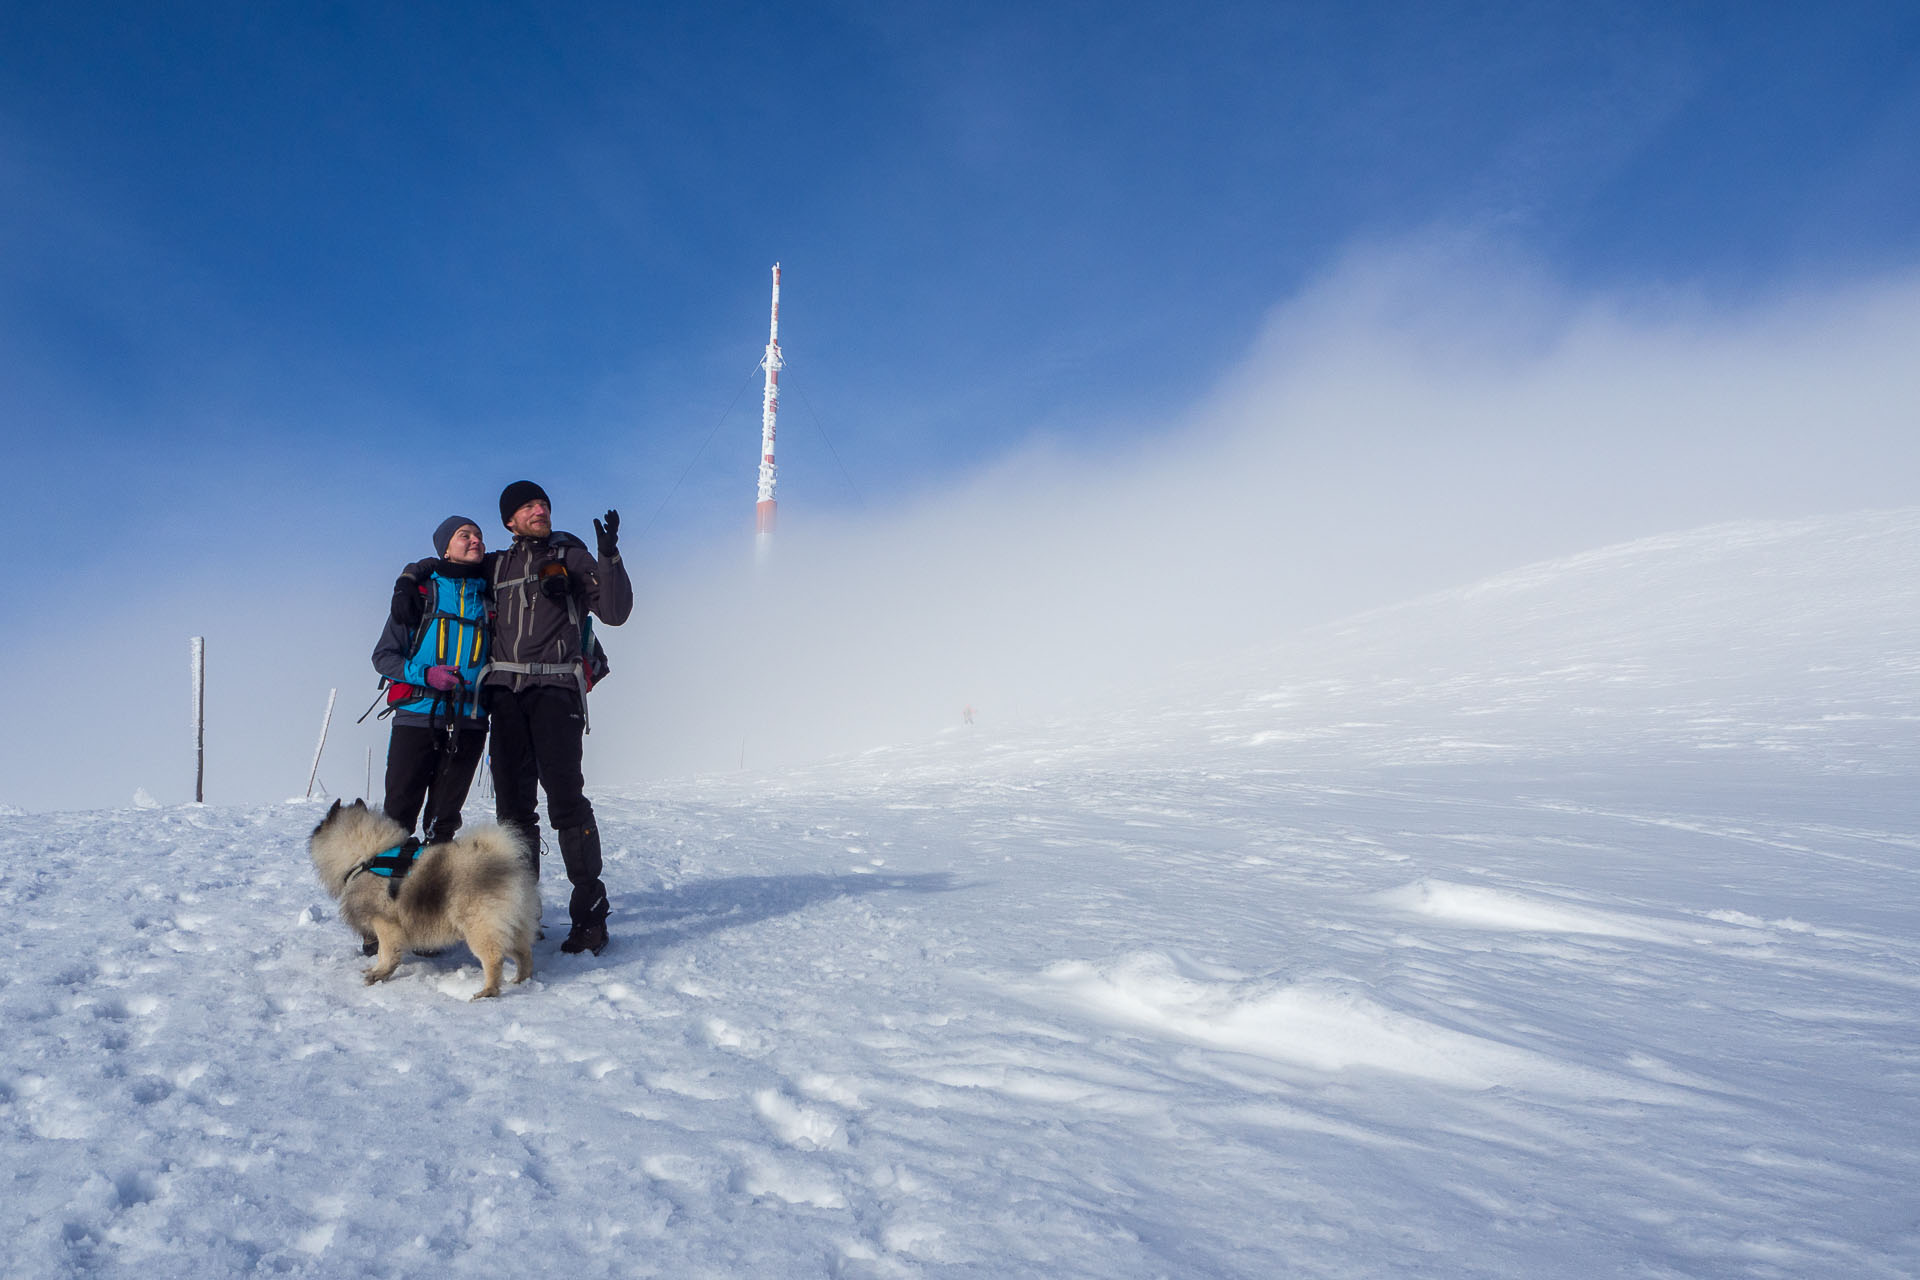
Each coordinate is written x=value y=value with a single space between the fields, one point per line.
x=577 y=669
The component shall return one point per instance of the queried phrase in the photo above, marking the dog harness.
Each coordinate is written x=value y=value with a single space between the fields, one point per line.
x=392 y=863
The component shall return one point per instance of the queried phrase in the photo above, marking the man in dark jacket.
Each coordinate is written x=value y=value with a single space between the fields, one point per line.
x=544 y=586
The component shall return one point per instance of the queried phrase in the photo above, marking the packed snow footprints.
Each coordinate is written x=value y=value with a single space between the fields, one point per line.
x=1141 y=995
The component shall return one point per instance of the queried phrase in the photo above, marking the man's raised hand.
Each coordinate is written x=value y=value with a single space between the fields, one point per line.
x=608 y=534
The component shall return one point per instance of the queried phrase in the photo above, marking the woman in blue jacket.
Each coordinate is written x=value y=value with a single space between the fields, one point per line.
x=432 y=653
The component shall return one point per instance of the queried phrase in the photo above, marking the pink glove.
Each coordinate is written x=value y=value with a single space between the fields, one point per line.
x=445 y=679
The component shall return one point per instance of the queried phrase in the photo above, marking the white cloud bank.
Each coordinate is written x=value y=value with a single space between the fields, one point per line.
x=1418 y=419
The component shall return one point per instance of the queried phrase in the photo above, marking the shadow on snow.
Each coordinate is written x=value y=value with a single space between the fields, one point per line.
x=689 y=911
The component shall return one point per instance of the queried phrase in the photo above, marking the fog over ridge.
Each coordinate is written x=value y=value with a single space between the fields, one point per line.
x=1421 y=417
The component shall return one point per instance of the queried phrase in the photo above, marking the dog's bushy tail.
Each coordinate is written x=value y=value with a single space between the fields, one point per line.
x=503 y=841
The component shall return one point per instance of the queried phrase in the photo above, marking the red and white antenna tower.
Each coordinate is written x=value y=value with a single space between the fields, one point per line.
x=769 y=410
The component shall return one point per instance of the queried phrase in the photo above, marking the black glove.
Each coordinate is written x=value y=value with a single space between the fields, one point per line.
x=608 y=534
x=408 y=606
x=553 y=580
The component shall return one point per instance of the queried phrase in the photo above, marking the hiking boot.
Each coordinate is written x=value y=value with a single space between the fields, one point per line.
x=580 y=850
x=369 y=946
x=586 y=937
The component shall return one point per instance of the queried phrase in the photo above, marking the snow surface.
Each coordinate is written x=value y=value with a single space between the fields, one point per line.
x=1564 y=925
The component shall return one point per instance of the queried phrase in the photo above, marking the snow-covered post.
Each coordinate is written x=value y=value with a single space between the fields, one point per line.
x=199 y=663
x=769 y=410
x=324 y=722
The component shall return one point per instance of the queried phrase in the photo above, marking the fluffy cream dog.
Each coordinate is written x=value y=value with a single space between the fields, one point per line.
x=478 y=889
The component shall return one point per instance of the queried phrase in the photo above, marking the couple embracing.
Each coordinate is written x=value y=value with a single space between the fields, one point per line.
x=474 y=635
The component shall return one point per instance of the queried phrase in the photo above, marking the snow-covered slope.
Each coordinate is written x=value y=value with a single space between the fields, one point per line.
x=1565 y=925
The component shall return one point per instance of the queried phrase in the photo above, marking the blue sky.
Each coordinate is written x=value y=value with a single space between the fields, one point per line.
x=244 y=241
x=293 y=281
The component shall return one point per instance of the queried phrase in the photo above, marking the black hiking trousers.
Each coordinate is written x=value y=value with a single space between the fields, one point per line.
x=422 y=764
x=537 y=744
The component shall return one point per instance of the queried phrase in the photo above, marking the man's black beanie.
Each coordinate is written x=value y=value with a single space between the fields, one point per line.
x=519 y=494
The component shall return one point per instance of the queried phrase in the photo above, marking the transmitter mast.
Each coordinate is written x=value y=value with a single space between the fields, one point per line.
x=769 y=410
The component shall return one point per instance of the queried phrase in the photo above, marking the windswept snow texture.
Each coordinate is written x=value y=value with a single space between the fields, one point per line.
x=1562 y=926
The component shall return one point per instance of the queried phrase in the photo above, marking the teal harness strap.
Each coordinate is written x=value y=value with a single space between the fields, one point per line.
x=392 y=863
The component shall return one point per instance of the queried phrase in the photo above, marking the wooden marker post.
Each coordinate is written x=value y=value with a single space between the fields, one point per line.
x=325 y=722
x=199 y=719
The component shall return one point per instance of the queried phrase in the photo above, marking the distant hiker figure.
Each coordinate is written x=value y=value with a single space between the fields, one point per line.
x=967 y=714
